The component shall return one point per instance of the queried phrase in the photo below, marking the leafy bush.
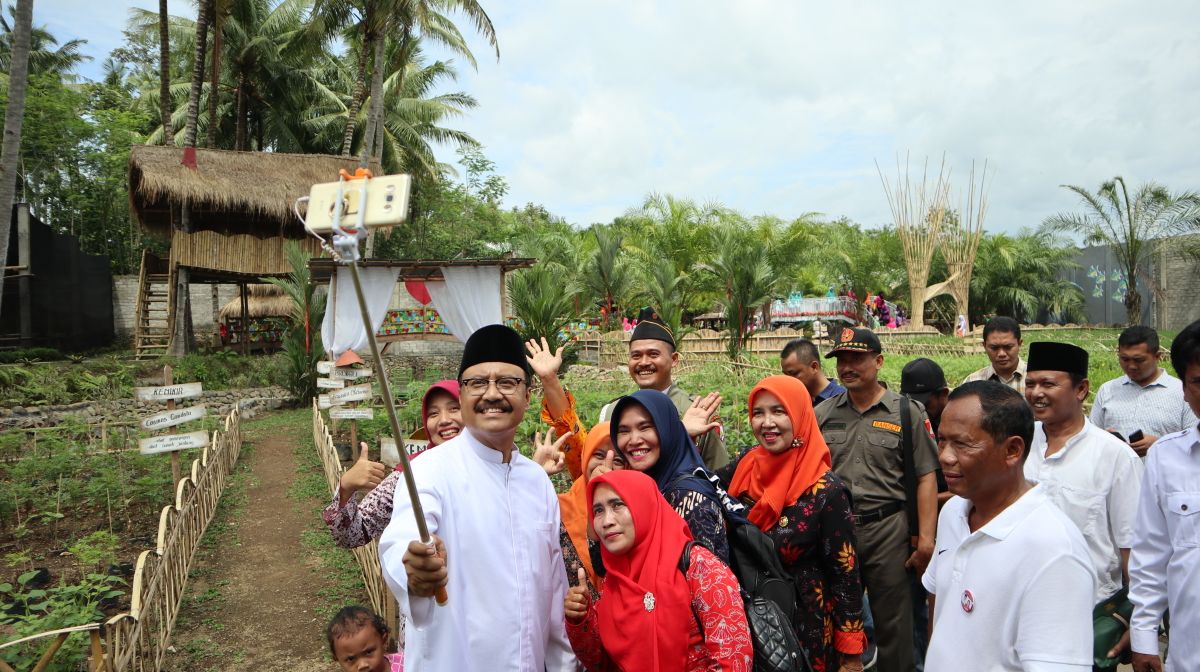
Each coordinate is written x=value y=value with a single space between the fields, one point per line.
x=30 y=355
x=33 y=610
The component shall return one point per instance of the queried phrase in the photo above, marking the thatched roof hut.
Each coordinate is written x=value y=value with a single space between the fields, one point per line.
x=234 y=192
x=262 y=300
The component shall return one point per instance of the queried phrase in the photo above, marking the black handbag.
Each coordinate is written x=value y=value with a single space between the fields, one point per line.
x=776 y=648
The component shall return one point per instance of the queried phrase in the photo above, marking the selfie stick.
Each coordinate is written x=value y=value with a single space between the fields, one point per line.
x=345 y=253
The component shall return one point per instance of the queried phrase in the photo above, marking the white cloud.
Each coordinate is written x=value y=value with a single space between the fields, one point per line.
x=785 y=107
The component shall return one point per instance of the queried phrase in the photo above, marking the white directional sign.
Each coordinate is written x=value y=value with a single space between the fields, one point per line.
x=340 y=413
x=349 y=374
x=413 y=447
x=172 y=442
x=168 y=392
x=172 y=418
x=323 y=402
x=348 y=394
x=330 y=384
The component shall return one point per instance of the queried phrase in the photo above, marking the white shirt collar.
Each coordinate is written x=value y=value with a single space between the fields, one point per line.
x=1007 y=520
x=483 y=452
x=1157 y=382
x=1077 y=438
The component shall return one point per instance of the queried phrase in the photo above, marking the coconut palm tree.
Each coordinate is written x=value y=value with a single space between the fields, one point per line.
x=1131 y=225
x=46 y=55
x=164 y=71
x=14 y=113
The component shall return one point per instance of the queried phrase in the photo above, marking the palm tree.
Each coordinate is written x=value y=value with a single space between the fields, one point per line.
x=1132 y=226
x=543 y=302
x=677 y=231
x=742 y=268
x=46 y=55
x=662 y=291
x=369 y=23
x=607 y=273
x=1020 y=277
x=14 y=114
x=164 y=71
x=302 y=343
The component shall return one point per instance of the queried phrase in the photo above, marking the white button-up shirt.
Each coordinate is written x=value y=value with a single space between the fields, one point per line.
x=507 y=580
x=1095 y=479
x=1157 y=409
x=1016 y=594
x=1164 y=564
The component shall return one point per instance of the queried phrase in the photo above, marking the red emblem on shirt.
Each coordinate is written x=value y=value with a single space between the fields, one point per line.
x=847 y=335
x=968 y=601
x=929 y=429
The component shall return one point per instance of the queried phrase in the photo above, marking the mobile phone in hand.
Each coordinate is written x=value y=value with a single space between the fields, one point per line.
x=1136 y=436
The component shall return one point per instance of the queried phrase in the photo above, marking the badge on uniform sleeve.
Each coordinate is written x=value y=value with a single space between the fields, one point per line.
x=648 y=601
x=968 y=601
x=929 y=429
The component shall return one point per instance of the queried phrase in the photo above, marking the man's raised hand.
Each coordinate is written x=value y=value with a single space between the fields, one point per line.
x=544 y=361
x=700 y=417
x=425 y=566
x=363 y=475
x=575 y=604
x=549 y=453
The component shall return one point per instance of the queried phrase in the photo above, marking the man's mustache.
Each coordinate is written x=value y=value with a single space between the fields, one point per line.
x=484 y=406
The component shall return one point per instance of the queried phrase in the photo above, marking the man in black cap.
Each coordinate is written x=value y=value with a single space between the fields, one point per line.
x=495 y=520
x=1092 y=476
x=652 y=355
x=863 y=427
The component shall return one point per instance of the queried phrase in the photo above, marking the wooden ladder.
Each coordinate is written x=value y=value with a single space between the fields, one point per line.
x=152 y=333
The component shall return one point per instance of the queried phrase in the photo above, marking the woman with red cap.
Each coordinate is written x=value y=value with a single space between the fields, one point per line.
x=792 y=494
x=353 y=523
x=667 y=603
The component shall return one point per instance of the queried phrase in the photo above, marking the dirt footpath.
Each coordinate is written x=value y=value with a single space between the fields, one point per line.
x=260 y=596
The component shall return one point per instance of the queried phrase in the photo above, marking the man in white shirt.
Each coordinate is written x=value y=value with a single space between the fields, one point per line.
x=1091 y=475
x=1010 y=585
x=1164 y=565
x=495 y=521
x=1002 y=342
x=1146 y=402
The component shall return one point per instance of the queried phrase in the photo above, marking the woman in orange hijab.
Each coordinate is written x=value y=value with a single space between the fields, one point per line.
x=596 y=457
x=792 y=495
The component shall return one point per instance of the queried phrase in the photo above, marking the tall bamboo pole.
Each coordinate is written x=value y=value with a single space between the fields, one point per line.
x=960 y=240
x=918 y=210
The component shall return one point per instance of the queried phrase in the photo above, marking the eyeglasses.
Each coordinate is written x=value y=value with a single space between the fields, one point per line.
x=506 y=385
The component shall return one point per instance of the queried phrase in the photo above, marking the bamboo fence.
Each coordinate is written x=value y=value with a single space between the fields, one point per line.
x=238 y=253
x=137 y=640
x=382 y=601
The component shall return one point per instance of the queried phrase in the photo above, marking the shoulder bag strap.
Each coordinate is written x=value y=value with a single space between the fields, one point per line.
x=910 y=467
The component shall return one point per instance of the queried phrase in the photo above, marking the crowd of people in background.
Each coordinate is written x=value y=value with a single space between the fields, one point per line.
x=989 y=526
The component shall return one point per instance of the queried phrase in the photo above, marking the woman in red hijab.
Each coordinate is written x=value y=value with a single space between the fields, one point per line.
x=651 y=614
x=353 y=523
x=787 y=484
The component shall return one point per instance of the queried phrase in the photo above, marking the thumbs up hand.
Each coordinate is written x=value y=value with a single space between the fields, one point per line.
x=575 y=604
x=364 y=475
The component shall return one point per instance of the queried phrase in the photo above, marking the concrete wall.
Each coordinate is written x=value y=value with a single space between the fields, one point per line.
x=125 y=293
x=1179 y=279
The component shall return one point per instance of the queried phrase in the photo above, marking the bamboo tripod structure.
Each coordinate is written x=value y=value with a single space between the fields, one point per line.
x=960 y=241
x=919 y=210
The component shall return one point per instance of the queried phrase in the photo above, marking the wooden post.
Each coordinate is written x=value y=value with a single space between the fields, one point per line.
x=354 y=437
x=245 y=321
x=169 y=379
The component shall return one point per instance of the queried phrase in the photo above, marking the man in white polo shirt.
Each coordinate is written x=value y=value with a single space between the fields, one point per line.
x=1146 y=402
x=1090 y=474
x=1010 y=584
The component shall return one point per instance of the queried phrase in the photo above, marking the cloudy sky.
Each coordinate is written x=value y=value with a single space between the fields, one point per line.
x=785 y=107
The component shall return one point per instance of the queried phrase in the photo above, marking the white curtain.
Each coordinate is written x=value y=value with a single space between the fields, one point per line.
x=342 y=328
x=468 y=298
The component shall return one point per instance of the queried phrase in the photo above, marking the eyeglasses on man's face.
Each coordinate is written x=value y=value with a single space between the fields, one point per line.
x=505 y=384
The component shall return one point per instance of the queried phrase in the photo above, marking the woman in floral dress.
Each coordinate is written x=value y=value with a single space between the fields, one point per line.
x=787 y=484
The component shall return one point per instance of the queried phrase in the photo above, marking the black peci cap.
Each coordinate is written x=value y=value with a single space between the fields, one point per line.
x=494 y=343
x=1051 y=356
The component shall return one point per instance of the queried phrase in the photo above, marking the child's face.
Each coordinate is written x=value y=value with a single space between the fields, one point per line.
x=361 y=651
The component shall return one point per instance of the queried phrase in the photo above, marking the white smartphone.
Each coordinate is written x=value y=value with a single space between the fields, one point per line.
x=387 y=203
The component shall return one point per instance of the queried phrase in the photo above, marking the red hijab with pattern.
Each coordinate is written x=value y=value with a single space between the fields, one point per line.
x=644 y=612
x=774 y=481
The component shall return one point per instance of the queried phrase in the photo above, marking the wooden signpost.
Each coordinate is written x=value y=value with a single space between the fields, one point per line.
x=339 y=413
x=336 y=379
x=172 y=443
x=330 y=384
